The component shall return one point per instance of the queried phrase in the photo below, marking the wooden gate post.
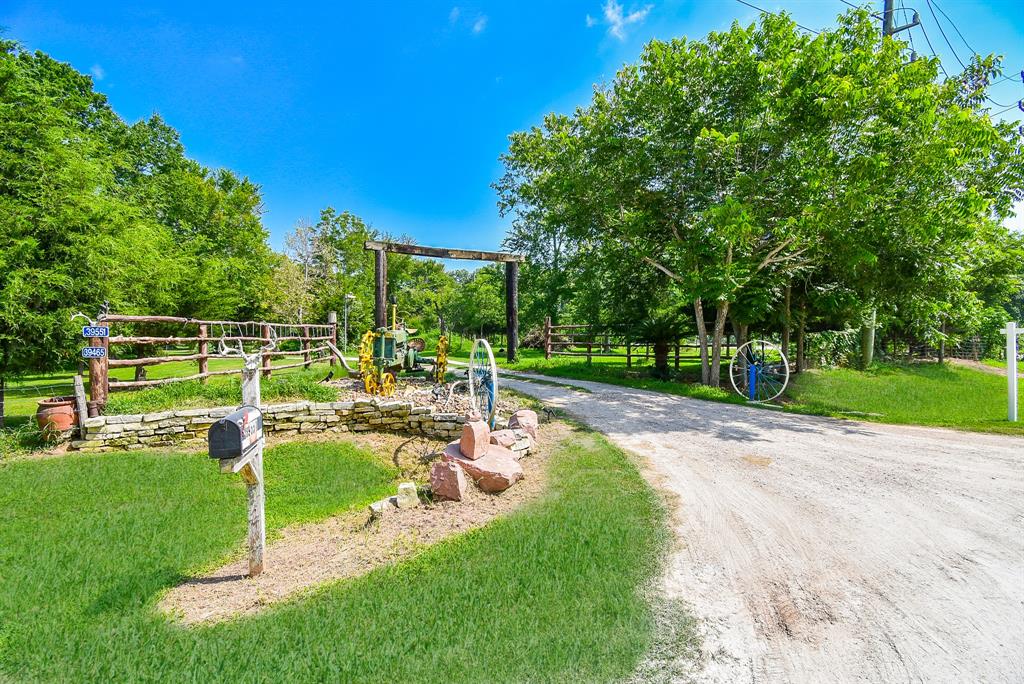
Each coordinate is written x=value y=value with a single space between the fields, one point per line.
x=380 y=301
x=204 y=352
x=547 y=337
x=512 y=309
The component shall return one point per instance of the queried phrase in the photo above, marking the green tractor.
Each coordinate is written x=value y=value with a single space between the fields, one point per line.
x=385 y=352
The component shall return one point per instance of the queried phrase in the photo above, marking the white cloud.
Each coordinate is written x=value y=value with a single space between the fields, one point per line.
x=617 y=20
x=453 y=16
x=480 y=24
x=97 y=72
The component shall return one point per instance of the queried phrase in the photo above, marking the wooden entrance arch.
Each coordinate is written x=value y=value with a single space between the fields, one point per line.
x=511 y=261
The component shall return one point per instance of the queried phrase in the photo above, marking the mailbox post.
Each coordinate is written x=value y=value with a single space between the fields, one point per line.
x=237 y=442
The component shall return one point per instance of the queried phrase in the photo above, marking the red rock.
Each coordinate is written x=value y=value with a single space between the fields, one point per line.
x=448 y=481
x=525 y=419
x=505 y=438
x=494 y=472
x=473 y=416
x=475 y=439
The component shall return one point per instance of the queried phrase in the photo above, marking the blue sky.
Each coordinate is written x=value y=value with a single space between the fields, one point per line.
x=398 y=112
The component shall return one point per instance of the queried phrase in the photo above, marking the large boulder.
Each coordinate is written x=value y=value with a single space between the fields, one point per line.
x=524 y=419
x=493 y=472
x=475 y=439
x=448 y=481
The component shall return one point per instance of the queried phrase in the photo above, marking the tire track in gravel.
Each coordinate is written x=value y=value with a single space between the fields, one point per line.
x=823 y=550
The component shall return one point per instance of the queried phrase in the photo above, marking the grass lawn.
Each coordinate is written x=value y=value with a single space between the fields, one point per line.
x=550 y=593
x=920 y=394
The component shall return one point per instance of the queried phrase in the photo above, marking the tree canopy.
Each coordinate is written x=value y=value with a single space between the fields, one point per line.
x=761 y=161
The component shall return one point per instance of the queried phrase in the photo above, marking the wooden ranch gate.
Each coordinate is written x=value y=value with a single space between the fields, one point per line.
x=511 y=261
x=202 y=334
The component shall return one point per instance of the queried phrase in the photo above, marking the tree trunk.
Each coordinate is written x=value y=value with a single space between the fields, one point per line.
x=787 y=321
x=716 y=344
x=661 y=359
x=801 y=334
x=702 y=342
x=740 y=331
x=867 y=340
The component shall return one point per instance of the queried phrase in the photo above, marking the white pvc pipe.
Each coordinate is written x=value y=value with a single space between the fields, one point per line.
x=1011 y=368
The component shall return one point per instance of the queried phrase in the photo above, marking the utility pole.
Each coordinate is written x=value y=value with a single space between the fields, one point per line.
x=889 y=27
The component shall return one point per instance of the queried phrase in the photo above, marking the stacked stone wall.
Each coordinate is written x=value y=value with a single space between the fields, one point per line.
x=170 y=428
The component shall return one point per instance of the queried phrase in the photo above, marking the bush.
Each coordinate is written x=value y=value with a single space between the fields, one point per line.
x=832 y=348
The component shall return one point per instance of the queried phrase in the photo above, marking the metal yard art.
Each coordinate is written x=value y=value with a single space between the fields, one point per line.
x=483 y=381
x=385 y=352
x=759 y=371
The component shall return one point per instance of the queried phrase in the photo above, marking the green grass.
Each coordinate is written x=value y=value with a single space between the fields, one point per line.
x=550 y=593
x=920 y=394
x=1002 y=364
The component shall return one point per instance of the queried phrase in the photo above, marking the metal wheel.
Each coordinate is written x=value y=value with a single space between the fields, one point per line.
x=759 y=371
x=441 y=360
x=483 y=381
x=388 y=384
x=370 y=382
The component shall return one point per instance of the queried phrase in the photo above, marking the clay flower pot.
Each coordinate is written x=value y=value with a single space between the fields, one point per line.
x=56 y=415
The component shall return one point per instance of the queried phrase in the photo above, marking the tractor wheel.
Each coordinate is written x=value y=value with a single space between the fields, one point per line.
x=388 y=384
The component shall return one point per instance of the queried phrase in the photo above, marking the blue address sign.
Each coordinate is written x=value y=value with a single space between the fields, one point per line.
x=96 y=331
x=93 y=352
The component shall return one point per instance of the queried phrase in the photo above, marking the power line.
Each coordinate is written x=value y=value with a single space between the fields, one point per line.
x=955 y=27
x=943 y=32
x=764 y=11
x=910 y=34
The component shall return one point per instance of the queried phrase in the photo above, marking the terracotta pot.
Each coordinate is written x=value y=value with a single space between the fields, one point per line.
x=56 y=414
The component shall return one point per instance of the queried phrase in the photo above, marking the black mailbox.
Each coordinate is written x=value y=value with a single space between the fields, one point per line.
x=236 y=435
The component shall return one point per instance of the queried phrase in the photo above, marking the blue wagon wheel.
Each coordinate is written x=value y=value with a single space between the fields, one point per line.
x=759 y=371
x=483 y=381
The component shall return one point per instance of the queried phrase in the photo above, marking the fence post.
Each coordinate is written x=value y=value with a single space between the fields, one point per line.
x=305 y=347
x=1011 y=332
x=629 y=352
x=590 y=349
x=204 y=351
x=677 y=354
x=266 y=357
x=332 y=320
x=547 y=337
x=99 y=374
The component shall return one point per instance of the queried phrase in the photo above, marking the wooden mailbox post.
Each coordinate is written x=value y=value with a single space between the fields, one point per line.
x=237 y=442
x=511 y=262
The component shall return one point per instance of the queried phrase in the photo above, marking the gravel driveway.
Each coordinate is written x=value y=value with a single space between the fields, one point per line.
x=820 y=550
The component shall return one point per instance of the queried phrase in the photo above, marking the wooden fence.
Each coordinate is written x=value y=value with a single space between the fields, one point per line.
x=204 y=333
x=589 y=341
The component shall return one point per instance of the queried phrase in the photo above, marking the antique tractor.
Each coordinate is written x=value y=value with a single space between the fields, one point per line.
x=385 y=352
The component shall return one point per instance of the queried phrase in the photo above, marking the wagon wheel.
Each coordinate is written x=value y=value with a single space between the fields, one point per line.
x=759 y=371
x=441 y=360
x=388 y=384
x=483 y=381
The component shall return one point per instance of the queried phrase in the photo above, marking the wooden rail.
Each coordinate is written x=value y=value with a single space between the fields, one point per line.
x=561 y=340
x=315 y=342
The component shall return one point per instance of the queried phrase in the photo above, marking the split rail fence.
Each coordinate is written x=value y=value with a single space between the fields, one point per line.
x=590 y=341
x=313 y=347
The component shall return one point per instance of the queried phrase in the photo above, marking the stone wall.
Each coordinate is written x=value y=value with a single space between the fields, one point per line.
x=169 y=428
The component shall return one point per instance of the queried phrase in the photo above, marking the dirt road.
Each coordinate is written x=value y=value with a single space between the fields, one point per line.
x=818 y=550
